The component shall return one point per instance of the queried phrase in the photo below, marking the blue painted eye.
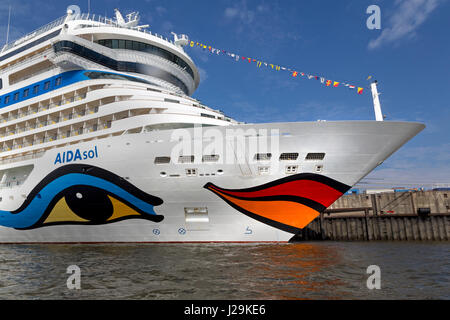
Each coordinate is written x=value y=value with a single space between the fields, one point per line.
x=76 y=194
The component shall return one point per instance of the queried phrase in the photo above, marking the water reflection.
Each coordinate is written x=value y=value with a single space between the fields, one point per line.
x=322 y=270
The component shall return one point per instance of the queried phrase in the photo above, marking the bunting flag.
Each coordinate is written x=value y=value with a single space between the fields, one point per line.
x=260 y=63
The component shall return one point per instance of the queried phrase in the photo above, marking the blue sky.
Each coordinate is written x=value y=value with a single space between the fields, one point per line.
x=409 y=56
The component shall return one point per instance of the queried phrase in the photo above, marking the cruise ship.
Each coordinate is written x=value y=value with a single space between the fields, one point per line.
x=101 y=141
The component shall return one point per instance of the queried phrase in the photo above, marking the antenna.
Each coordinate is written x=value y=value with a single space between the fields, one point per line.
x=9 y=21
x=89 y=6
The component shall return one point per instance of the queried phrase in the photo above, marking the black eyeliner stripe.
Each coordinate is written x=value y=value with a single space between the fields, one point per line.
x=92 y=171
x=341 y=187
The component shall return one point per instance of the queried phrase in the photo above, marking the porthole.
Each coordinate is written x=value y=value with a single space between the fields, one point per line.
x=163 y=174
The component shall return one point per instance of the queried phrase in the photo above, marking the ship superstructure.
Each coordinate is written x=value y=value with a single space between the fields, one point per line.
x=92 y=111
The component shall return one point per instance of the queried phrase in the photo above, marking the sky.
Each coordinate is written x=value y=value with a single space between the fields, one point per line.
x=409 y=56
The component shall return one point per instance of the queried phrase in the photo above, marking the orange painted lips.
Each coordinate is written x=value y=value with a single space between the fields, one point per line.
x=289 y=203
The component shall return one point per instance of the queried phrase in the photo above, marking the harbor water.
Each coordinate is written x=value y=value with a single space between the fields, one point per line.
x=306 y=270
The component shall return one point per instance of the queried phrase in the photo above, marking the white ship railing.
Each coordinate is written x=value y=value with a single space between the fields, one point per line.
x=35 y=33
x=34 y=155
x=86 y=17
x=29 y=60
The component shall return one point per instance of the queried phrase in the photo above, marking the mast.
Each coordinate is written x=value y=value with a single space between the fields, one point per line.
x=376 y=102
x=9 y=21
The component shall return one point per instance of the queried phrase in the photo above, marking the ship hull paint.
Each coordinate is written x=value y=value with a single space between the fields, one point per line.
x=353 y=149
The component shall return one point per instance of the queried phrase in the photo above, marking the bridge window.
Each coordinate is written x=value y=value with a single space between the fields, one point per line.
x=145 y=47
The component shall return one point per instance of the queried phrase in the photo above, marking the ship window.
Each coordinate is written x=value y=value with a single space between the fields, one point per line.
x=315 y=156
x=128 y=45
x=35 y=89
x=263 y=170
x=47 y=85
x=7 y=99
x=58 y=81
x=319 y=168
x=162 y=160
x=115 y=44
x=16 y=96
x=1 y=83
x=207 y=115
x=105 y=75
x=289 y=156
x=171 y=100
x=262 y=156
x=121 y=44
x=186 y=159
x=108 y=43
x=191 y=172
x=291 y=169
x=210 y=158
x=26 y=92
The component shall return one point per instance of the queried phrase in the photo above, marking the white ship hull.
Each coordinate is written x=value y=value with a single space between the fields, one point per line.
x=352 y=150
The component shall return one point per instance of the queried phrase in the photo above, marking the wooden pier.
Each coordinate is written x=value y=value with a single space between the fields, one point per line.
x=368 y=223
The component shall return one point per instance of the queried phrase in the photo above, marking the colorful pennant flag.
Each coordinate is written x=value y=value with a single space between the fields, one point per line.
x=294 y=73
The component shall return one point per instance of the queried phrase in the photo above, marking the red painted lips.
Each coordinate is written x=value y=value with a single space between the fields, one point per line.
x=289 y=203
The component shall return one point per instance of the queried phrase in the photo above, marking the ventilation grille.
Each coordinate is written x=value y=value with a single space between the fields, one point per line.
x=263 y=156
x=288 y=156
x=162 y=160
x=210 y=158
x=186 y=159
x=315 y=156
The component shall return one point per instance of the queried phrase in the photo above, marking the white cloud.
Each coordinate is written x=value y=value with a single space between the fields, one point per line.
x=414 y=166
x=203 y=74
x=409 y=15
x=161 y=10
x=241 y=13
x=231 y=12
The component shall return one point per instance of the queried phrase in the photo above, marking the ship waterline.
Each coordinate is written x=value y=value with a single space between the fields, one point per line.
x=101 y=142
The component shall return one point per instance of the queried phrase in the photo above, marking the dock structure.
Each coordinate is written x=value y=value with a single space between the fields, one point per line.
x=405 y=216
